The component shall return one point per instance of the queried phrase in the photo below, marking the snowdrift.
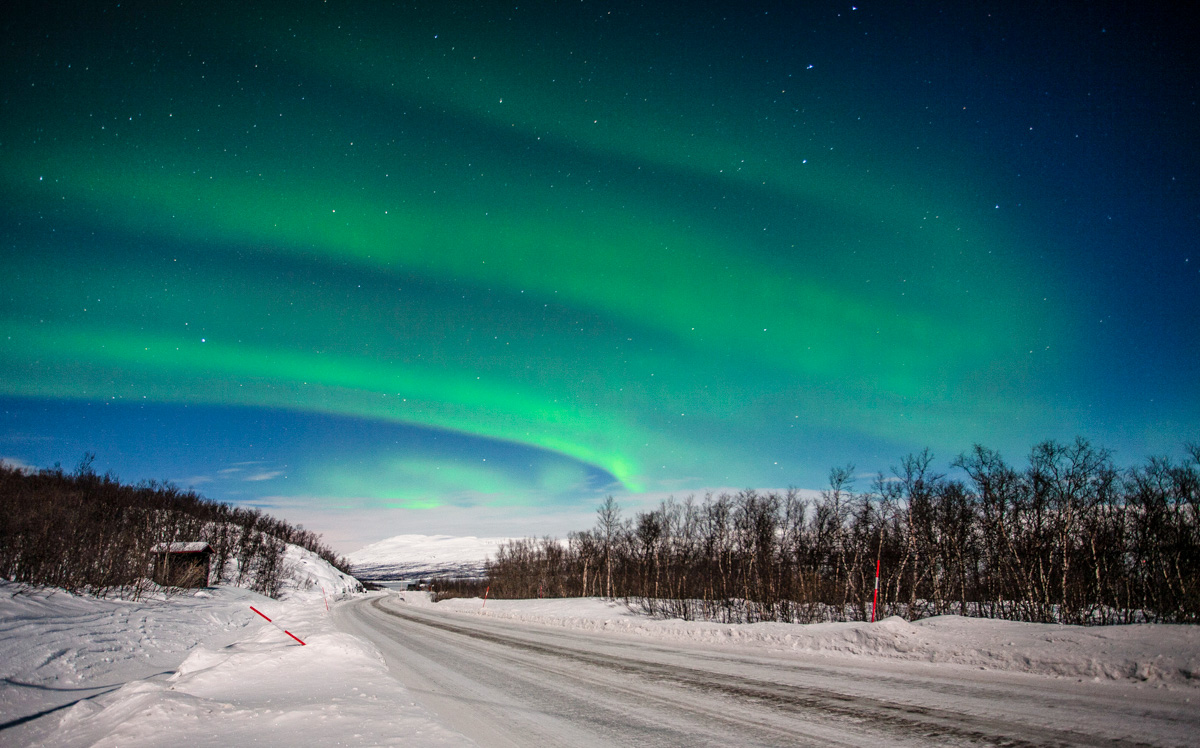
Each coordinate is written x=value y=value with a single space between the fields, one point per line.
x=201 y=668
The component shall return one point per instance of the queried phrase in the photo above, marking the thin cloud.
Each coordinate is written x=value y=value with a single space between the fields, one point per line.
x=266 y=475
x=25 y=438
x=197 y=480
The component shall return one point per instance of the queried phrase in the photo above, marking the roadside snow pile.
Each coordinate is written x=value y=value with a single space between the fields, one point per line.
x=406 y=557
x=199 y=668
x=1154 y=653
x=264 y=689
x=56 y=648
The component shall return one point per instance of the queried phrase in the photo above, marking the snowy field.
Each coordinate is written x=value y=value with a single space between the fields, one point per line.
x=203 y=669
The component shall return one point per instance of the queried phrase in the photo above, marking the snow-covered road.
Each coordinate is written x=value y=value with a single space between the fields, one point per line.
x=505 y=683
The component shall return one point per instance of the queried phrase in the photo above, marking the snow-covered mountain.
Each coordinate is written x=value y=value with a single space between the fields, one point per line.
x=413 y=556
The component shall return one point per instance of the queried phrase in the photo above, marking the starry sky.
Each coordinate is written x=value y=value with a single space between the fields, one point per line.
x=469 y=267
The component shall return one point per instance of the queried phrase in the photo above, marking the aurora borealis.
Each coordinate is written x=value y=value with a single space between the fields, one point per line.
x=393 y=265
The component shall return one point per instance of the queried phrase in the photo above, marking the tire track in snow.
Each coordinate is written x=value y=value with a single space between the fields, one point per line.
x=862 y=719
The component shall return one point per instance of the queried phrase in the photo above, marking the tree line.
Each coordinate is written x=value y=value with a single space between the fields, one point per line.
x=85 y=532
x=1068 y=538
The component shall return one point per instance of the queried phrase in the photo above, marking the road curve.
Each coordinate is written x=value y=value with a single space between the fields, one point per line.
x=508 y=684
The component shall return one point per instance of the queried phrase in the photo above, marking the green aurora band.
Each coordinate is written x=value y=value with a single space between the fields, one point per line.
x=577 y=273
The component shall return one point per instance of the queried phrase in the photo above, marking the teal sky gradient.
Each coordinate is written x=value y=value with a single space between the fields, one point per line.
x=628 y=251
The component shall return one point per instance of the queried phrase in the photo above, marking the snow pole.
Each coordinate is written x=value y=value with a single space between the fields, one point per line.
x=875 y=601
x=276 y=625
x=485 y=594
x=325 y=598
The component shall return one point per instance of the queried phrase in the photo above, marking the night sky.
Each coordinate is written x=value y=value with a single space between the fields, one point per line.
x=469 y=267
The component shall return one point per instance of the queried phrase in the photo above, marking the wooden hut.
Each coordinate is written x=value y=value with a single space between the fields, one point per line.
x=181 y=564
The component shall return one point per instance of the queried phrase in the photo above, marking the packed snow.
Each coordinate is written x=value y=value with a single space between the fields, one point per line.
x=201 y=667
x=406 y=557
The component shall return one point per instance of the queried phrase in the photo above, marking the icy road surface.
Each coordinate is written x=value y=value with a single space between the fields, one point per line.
x=516 y=684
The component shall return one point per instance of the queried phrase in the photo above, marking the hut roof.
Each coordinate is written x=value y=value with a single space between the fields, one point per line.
x=195 y=547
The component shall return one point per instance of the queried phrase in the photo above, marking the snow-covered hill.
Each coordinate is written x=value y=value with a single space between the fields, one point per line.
x=406 y=557
x=309 y=577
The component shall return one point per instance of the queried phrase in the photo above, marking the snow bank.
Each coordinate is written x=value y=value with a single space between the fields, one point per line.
x=1155 y=653
x=265 y=689
x=200 y=668
x=82 y=640
x=56 y=647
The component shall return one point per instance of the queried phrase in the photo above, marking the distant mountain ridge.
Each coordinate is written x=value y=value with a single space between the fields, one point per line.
x=412 y=556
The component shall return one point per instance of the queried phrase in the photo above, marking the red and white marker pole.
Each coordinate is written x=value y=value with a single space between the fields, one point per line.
x=326 y=598
x=876 y=600
x=485 y=594
x=276 y=625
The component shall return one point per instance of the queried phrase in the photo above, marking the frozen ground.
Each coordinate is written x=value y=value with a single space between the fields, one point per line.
x=396 y=669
